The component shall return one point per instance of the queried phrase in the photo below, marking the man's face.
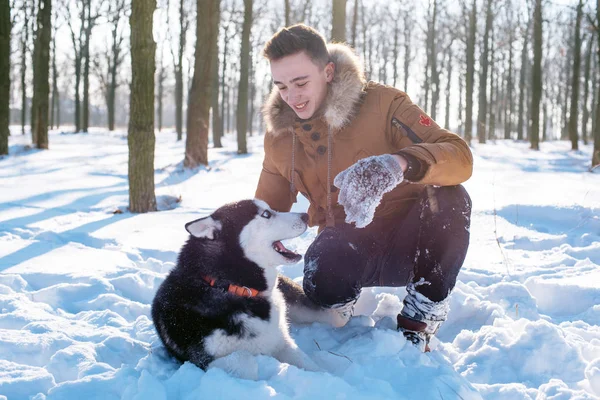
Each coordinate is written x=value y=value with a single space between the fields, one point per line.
x=302 y=83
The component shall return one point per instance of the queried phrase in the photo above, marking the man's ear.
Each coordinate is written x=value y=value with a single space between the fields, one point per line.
x=206 y=228
x=329 y=71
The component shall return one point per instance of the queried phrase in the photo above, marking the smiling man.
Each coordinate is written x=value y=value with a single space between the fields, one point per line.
x=382 y=178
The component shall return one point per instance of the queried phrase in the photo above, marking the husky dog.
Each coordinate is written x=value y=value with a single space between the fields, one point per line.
x=224 y=294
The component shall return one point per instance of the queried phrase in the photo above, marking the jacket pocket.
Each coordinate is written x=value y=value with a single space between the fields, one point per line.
x=404 y=135
x=300 y=186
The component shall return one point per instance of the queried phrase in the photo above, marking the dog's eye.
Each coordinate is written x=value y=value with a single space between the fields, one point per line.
x=266 y=214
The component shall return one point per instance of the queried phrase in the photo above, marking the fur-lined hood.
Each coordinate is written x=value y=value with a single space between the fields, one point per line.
x=343 y=97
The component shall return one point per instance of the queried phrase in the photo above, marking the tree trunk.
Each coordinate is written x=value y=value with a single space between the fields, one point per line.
x=183 y=25
x=434 y=82
x=77 y=42
x=224 y=94
x=448 y=88
x=252 y=85
x=41 y=86
x=114 y=63
x=86 y=68
x=595 y=91
x=5 y=28
x=596 y=151
x=355 y=23
x=161 y=92
x=287 y=13
x=574 y=114
x=545 y=122
x=216 y=116
x=395 y=54
x=77 y=115
x=491 y=131
x=207 y=32
x=566 y=76
x=586 y=90
x=509 y=111
x=24 y=45
x=461 y=124
x=470 y=78
x=53 y=97
x=483 y=76
x=536 y=76
x=522 y=86
x=140 y=138
x=242 y=95
x=338 y=21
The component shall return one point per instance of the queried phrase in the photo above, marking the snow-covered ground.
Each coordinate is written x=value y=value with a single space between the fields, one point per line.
x=78 y=274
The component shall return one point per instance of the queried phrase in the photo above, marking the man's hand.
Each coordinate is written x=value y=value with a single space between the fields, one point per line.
x=363 y=184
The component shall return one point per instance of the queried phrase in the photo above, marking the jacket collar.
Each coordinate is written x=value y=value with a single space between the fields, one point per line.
x=343 y=97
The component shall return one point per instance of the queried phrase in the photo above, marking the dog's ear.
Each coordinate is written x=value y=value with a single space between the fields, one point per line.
x=207 y=228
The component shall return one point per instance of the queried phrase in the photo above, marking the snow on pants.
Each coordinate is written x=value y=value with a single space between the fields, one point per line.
x=429 y=243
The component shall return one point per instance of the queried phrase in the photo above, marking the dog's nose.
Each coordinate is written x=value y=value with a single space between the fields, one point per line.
x=304 y=217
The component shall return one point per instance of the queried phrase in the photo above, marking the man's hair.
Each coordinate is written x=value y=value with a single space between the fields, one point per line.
x=295 y=39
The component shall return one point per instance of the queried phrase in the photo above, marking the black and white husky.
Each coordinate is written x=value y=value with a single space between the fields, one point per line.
x=224 y=294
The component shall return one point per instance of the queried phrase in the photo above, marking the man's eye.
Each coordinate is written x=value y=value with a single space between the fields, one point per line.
x=266 y=214
x=302 y=84
x=281 y=89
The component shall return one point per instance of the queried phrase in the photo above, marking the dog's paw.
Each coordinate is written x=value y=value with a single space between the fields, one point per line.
x=294 y=356
x=240 y=364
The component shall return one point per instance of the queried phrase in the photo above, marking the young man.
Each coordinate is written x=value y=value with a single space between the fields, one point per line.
x=382 y=178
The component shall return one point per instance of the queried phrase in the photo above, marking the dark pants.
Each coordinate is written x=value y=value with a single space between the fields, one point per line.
x=430 y=243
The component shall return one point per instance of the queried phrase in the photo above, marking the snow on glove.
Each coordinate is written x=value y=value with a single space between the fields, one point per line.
x=363 y=184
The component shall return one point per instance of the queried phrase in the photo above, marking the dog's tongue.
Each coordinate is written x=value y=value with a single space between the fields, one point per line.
x=280 y=246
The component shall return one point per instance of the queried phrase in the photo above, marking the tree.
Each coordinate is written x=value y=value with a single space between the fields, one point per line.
x=573 y=115
x=184 y=23
x=432 y=80
x=207 y=31
x=27 y=12
x=596 y=151
x=140 y=138
x=89 y=23
x=5 y=28
x=470 y=77
x=41 y=86
x=536 y=94
x=355 y=23
x=217 y=127
x=483 y=75
x=407 y=16
x=509 y=111
x=78 y=42
x=338 y=21
x=586 y=89
x=114 y=57
x=522 y=85
x=242 y=99
x=55 y=102
x=287 y=13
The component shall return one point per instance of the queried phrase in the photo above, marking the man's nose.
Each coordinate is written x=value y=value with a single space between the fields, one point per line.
x=291 y=96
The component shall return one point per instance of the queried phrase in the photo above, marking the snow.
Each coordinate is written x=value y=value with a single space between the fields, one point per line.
x=78 y=273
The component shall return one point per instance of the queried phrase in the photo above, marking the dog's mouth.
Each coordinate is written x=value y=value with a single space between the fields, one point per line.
x=288 y=254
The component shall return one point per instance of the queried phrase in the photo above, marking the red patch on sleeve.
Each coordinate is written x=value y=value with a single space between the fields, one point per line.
x=425 y=121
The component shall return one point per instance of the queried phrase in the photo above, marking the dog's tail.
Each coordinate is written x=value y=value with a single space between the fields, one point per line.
x=301 y=310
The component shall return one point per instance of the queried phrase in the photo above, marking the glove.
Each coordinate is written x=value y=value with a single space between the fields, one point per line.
x=363 y=184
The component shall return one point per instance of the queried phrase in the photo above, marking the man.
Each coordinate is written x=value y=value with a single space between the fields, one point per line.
x=382 y=178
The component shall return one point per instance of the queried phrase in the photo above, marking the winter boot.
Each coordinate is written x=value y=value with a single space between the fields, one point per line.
x=420 y=317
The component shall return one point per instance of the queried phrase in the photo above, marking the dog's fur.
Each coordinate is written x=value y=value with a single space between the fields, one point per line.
x=235 y=245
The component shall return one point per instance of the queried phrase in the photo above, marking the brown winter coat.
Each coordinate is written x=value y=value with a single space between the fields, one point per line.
x=364 y=119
